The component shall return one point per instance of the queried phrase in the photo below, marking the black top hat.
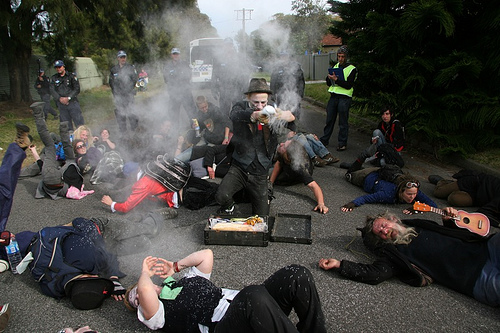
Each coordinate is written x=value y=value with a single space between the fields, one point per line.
x=89 y=292
x=258 y=85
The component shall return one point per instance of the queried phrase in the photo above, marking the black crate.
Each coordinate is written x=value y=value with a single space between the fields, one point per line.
x=291 y=228
x=243 y=238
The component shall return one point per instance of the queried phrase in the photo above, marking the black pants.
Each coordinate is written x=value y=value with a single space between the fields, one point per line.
x=265 y=308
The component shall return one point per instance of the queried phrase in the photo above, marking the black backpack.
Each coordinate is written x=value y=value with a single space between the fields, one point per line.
x=390 y=155
x=199 y=193
x=390 y=173
x=48 y=267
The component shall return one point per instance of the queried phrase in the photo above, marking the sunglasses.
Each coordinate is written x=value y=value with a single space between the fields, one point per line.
x=412 y=184
x=80 y=146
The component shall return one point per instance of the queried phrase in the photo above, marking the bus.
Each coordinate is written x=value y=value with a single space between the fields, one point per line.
x=202 y=53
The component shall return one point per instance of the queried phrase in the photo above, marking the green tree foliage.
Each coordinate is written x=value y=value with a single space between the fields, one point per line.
x=62 y=29
x=436 y=61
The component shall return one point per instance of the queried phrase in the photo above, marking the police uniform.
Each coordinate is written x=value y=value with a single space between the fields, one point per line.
x=122 y=81
x=43 y=89
x=67 y=86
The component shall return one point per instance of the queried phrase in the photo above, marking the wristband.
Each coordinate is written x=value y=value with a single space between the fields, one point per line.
x=176 y=267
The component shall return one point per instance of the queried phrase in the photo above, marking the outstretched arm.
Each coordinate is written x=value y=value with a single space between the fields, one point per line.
x=318 y=194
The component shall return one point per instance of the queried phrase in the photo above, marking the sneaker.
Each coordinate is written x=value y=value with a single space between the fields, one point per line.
x=167 y=213
x=348 y=177
x=329 y=159
x=4 y=266
x=434 y=179
x=318 y=162
x=341 y=148
x=22 y=137
x=101 y=223
x=4 y=316
x=232 y=210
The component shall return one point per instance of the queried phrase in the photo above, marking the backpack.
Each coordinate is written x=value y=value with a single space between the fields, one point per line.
x=199 y=193
x=48 y=266
x=390 y=173
x=390 y=155
x=60 y=156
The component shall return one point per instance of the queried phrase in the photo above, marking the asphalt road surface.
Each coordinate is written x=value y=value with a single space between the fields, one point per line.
x=349 y=306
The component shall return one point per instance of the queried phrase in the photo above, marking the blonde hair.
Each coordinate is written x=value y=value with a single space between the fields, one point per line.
x=126 y=300
x=90 y=139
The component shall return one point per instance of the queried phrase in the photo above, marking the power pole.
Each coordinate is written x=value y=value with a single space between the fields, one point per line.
x=244 y=17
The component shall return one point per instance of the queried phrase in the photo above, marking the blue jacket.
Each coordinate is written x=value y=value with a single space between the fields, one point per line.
x=381 y=191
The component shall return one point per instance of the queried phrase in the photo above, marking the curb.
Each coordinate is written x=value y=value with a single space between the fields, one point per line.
x=463 y=163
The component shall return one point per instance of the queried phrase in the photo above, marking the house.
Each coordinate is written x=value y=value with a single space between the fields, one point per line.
x=330 y=44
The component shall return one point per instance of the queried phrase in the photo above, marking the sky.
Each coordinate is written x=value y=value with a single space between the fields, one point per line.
x=223 y=13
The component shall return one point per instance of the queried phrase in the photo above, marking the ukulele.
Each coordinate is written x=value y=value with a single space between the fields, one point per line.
x=474 y=222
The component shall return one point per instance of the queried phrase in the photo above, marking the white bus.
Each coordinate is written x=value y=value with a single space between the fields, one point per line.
x=202 y=53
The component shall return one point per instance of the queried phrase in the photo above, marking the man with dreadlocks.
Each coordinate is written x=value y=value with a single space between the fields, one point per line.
x=420 y=251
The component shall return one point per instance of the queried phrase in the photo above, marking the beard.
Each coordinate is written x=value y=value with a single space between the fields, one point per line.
x=404 y=234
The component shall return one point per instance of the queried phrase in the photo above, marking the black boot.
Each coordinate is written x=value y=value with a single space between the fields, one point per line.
x=357 y=165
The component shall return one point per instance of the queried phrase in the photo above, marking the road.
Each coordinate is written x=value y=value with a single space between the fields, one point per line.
x=349 y=306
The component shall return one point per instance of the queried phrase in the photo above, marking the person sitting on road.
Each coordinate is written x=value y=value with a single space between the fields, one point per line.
x=419 y=252
x=35 y=168
x=104 y=143
x=211 y=128
x=83 y=133
x=471 y=188
x=86 y=158
x=194 y=304
x=57 y=182
x=293 y=166
x=389 y=133
x=159 y=182
x=404 y=189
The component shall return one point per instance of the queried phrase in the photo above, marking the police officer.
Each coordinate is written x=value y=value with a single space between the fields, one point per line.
x=64 y=87
x=287 y=84
x=42 y=86
x=177 y=76
x=122 y=80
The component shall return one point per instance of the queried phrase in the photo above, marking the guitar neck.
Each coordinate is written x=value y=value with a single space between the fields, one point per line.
x=437 y=211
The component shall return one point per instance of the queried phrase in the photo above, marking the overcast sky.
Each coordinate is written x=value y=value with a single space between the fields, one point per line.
x=223 y=13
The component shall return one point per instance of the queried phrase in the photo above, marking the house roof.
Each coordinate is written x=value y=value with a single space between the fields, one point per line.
x=331 y=40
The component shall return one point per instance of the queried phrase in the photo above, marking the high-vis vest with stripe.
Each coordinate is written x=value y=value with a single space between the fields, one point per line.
x=334 y=88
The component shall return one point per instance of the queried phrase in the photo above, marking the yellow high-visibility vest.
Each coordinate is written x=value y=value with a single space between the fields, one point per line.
x=335 y=88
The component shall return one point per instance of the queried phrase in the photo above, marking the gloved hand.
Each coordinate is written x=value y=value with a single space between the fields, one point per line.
x=348 y=207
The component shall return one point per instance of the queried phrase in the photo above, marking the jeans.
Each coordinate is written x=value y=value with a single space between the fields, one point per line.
x=487 y=287
x=337 y=106
x=255 y=185
x=312 y=146
x=265 y=308
x=124 y=109
x=9 y=174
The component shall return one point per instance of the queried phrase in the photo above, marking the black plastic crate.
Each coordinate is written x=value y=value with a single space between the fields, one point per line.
x=243 y=238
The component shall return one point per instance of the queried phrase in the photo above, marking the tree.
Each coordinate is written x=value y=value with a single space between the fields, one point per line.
x=436 y=61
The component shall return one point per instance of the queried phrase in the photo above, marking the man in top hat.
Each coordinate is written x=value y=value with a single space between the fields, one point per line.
x=254 y=140
x=64 y=87
x=177 y=76
x=122 y=81
x=42 y=86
